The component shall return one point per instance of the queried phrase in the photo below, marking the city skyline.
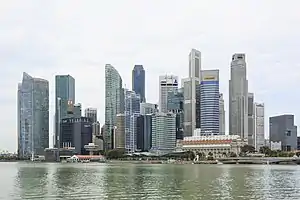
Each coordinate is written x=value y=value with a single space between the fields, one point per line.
x=73 y=52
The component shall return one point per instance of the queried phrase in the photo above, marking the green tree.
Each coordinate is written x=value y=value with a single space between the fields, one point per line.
x=265 y=150
x=232 y=154
x=248 y=149
x=115 y=153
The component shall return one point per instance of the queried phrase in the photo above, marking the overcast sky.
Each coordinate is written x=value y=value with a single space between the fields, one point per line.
x=45 y=38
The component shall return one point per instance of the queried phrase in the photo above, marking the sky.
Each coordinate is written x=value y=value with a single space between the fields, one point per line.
x=47 y=38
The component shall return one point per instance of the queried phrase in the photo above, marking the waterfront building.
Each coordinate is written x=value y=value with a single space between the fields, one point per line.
x=114 y=102
x=138 y=81
x=77 y=110
x=259 y=125
x=282 y=129
x=163 y=133
x=64 y=101
x=120 y=131
x=33 y=116
x=215 y=145
x=189 y=84
x=144 y=132
x=175 y=105
x=75 y=133
x=209 y=102
x=132 y=111
x=238 y=97
x=222 y=115
x=91 y=113
x=167 y=83
x=251 y=120
x=148 y=108
x=96 y=132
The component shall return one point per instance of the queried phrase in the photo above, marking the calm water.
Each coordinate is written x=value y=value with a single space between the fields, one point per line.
x=133 y=181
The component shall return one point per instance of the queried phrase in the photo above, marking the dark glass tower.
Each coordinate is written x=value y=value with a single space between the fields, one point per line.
x=138 y=81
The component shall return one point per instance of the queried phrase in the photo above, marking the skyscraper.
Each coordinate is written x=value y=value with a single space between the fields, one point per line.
x=64 y=100
x=138 y=81
x=167 y=83
x=120 y=131
x=147 y=108
x=222 y=115
x=251 y=118
x=33 y=116
x=114 y=101
x=189 y=86
x=209 y=102
x=259 y=122
x=91 y=113
x=238 y=97
x=144 y=132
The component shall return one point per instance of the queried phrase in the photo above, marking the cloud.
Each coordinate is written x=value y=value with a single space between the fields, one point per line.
x=80 y=37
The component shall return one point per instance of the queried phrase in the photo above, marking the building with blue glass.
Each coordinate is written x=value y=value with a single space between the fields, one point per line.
x=138 y=81
x=209 y=102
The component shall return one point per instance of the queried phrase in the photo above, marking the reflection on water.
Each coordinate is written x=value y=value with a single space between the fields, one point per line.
x=129 y=181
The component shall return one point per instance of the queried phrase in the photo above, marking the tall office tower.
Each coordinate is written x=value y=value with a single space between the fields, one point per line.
x=175 y=105
x=120 y=131
x=283 y=129
x=33 y=116
x=77 y=110
x=132 y=111
x=209 y=102
x=251 y=118
x=91 y=113
x=114 y=102
x=64 y=98
x=167 y=83
x=138 y=81
x=148 y=108
x=198 y=106
x=259 y=122
x=238 y=97
x=144 y=132
x=189 y=86
x=96 y=132
x=222 y=115
x=163 y=132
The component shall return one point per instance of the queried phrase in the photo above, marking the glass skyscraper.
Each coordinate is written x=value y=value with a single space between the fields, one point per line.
x=65 y=91
x=209 y=102
x=138 y=81
x=114 y=102
x=33 y=116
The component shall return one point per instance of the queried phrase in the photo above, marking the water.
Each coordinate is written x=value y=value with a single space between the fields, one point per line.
x=133 y=181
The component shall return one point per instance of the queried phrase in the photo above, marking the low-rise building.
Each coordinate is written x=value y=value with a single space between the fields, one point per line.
x=215 y=145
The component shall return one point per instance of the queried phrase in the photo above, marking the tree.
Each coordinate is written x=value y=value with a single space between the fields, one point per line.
x=232 y=154
x=115 y=153
x=265 y=150
x=248 y=149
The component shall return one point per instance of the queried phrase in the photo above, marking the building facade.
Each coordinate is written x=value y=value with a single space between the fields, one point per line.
x=259 y=124
x=209 y=102
x=283 y=129
x=75 y=133
x=120 y=132
x=138 y=81
x=163 y=133
x=91 y=113
x=114 y=102
x=144 y=132
x=251 y=120
x=238 y=97
x=167 y=83
x=222 y=115
x=64 y=99
x=148 y=108
x=77 y=110
x=33 y=116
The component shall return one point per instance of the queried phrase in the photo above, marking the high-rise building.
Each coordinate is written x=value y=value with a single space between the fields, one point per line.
x=132 y=111
x=77 y=110
x=238 y=97
x=259 y=125
x=120 y=132
x=33 y=116
x=144 y=132
x=189 y=86
x=64 y=101
x=148 y=108
x=91 y=113
x=209 y=102
x=114 y=102
x=163 y=132
x=167 y=83
x=222 y=115
x=283 y=129
x=138 y=81
x=175 y=105
x=251 y=118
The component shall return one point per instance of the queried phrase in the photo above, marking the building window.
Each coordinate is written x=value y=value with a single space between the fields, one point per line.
x=288 y=133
